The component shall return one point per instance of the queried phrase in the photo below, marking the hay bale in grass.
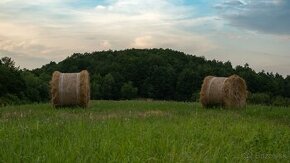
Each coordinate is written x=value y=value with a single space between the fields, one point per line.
x=70 y=89
x=222 y=91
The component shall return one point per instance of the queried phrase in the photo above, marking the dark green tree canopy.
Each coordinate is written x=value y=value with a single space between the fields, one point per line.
x=162 y=74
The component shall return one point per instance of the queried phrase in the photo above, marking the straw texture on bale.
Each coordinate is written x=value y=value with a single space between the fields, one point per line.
x=70 y=89
x=221 y=91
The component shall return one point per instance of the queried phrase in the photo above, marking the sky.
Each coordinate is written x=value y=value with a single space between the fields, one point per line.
x=257 y=32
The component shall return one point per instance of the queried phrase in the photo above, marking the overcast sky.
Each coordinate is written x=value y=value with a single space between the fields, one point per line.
x=35 y=32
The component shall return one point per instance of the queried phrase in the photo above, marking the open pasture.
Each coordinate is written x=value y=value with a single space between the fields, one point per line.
x=143 y=131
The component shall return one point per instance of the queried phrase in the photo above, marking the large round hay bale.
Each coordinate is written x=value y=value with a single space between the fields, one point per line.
x=221 y=91
x=70 y=89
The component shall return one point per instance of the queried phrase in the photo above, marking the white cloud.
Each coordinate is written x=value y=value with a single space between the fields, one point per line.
x=142 y=42
x=52 y=30
x=105 y=45
x=100 y=7
x=17 y=31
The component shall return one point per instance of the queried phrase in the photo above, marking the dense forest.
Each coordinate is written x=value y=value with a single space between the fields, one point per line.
x=160 y=74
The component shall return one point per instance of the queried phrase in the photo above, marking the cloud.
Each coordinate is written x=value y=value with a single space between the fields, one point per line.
x=55 y=29
x=142 y=42
x=270 y=16
x=24 y=60
x=230 y=3
x=105 y=45
x=35 y=32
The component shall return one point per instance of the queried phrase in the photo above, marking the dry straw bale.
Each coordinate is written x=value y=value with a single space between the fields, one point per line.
x=221 y=91
x=70 y=89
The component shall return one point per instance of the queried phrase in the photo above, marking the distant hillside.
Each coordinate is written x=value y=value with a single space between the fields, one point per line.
x=159 y=74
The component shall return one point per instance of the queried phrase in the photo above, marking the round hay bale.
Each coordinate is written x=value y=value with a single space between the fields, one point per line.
x=70 y=89
x=221 y=91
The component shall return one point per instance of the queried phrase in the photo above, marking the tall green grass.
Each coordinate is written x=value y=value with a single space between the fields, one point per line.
x=140 y=131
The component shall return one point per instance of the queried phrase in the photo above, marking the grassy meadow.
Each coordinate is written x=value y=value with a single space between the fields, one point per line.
x=143 y=131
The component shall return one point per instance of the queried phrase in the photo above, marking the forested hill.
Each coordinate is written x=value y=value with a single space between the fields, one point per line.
x=151 y=73
x=160 y=73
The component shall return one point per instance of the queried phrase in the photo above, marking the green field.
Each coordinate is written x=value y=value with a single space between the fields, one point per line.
x=143 y=131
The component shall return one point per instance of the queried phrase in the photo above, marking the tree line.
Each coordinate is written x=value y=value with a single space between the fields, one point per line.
x=161 y=74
